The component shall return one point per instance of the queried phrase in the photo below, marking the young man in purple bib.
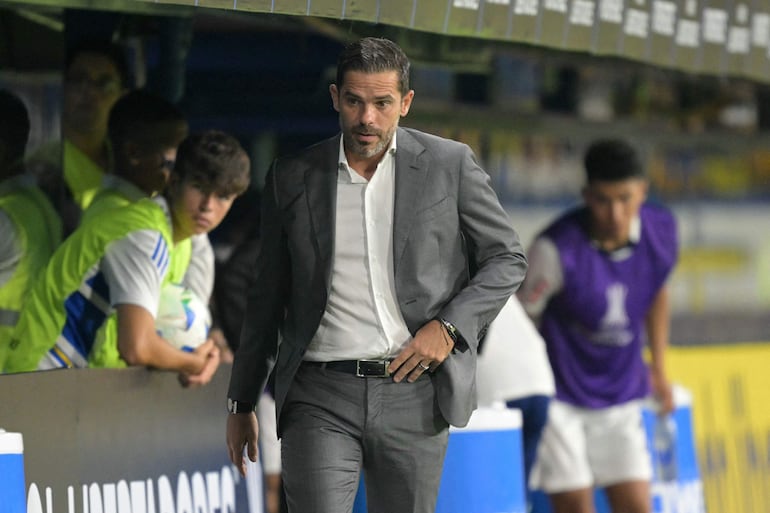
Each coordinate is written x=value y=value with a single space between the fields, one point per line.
x=596 y=287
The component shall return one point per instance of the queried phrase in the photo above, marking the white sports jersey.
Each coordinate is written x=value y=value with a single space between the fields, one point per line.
x=513 y=362
x=131 y=275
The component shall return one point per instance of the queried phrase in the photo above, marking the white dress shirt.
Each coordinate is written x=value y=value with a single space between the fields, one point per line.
x=362 y=319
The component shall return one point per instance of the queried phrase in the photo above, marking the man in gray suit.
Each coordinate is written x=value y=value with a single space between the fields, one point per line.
x=363 y=275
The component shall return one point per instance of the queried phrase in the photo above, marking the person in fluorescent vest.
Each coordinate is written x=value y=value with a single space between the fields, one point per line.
x=118 y=263
x=96 y=75
x=144 y=131
x=30 y=227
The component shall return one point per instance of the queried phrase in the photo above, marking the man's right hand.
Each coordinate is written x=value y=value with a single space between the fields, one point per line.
x=242 y=431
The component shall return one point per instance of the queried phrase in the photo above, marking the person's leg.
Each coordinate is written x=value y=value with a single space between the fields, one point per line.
x=562 y=467
x=269 y=452
x=534 y=414
x=404 y=446
x=573 y=501
x=629 y=497
x=620 y=459
x=321 y=448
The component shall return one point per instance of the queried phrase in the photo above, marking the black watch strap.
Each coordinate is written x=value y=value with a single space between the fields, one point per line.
x=450 y=329
x=234 y=406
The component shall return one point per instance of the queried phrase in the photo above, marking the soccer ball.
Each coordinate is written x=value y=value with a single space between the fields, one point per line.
x=183 y=318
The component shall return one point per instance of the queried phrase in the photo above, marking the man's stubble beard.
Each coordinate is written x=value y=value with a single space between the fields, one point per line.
x=362 y=151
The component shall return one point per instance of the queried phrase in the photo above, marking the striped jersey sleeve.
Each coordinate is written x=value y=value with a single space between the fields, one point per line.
x=134 y=268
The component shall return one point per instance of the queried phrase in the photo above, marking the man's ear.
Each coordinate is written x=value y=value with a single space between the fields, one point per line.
x=406 y=102
x=335 y=94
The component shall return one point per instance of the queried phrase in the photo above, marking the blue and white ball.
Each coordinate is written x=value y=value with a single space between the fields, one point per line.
x=183 y=319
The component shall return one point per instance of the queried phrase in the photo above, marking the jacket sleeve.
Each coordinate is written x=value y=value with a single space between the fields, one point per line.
x=493 y=249
x=265 y=305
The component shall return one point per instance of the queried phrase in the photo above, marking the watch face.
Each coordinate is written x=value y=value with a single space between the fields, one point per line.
x=234 y=406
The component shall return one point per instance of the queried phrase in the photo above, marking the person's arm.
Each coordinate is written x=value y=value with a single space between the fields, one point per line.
x=258 y=346
x=493 y=248
x=658 y=331
x=544 y=278
x=139 y=344
x=266 y=301
x=134 y=268
x=242 y=432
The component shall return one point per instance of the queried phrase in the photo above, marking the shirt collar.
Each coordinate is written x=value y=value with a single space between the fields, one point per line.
x=635 y=232
x=123 y=186
x=634 y=235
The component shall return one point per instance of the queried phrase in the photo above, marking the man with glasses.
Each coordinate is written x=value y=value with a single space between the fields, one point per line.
x=94 y=79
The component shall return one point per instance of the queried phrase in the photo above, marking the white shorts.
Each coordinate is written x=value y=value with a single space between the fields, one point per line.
x=582 y=448
x=269 y=445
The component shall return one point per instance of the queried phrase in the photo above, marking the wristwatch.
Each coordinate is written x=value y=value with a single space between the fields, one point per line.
x=234 y=406
x=450 y=328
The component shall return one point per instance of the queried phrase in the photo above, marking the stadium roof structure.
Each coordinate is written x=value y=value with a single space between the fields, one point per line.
x=718 y=37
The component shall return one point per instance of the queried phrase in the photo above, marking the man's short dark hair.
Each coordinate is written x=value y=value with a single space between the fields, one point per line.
x=215 y=161
x=612 y=160
x=14 y=125
x=107 y=49
x=374 y=55
x=144 y=118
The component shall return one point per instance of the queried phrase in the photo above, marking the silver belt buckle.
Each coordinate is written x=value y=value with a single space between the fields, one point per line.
x=372 y=368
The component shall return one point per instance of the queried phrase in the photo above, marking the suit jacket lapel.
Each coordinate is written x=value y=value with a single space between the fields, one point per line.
x=411 y=173
x=321 y=187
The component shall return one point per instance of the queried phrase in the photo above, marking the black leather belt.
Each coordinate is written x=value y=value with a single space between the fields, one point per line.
x=360 y=368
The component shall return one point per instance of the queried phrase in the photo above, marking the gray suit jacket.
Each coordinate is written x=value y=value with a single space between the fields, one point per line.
x=445 y=216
